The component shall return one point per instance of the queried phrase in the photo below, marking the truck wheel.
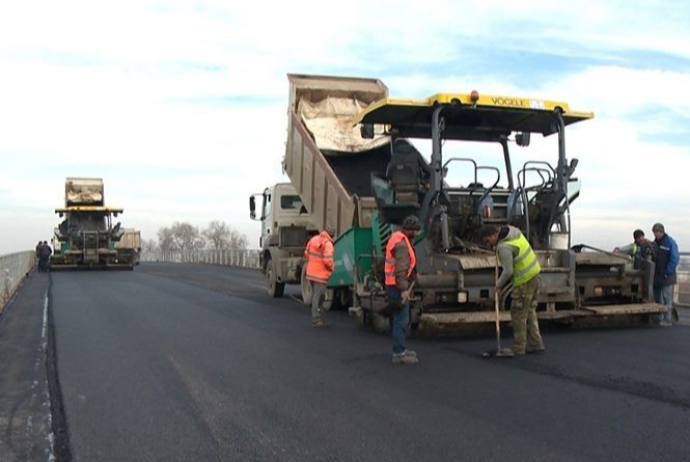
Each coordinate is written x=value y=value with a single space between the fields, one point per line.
x=342 y=298
x=275 y=288
x=306 y=287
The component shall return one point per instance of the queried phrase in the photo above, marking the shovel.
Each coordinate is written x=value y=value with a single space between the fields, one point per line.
x=498 y=352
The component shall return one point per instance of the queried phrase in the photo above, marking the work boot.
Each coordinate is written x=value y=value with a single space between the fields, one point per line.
x=405 y=358
x=535 y=350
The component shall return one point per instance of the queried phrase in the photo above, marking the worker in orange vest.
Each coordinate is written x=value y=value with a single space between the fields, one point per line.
x=398 y=267
x=318 y=256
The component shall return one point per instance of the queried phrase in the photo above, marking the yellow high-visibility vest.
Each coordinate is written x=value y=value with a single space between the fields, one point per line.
x=525 y=265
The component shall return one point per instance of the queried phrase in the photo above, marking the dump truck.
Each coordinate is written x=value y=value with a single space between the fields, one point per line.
x=326 y=190
x=351 y=158
x=86 y=236
x=129 y=245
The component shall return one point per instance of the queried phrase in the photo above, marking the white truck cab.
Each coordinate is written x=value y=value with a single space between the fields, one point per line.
x=286 y=226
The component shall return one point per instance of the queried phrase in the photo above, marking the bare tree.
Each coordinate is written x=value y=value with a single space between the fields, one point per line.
x=149 y=245
x=185 y=236
x=222 y=236
x=238 y=240
x=166 y=242
x=217 y=234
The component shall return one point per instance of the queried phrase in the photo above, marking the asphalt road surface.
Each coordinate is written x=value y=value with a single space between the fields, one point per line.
x=197 y=363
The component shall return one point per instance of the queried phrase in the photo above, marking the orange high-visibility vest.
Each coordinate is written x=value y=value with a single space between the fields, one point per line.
x=319 y=257
x=389 y=265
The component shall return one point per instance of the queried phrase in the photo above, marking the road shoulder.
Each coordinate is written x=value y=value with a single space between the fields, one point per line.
x=25 y=406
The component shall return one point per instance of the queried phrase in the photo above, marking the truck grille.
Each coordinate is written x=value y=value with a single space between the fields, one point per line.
x=294 y=236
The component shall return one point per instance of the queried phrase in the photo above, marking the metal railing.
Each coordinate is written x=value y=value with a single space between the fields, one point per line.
x=681 y=291
x=240 y=258
x=14 y=267
x=681 y=294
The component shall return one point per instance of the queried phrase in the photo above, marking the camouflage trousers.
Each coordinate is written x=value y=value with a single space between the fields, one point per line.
x=523 y=312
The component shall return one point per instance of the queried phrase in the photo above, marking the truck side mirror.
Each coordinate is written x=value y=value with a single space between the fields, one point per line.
x=522 y=139
x=252 y=208
x=367 y=131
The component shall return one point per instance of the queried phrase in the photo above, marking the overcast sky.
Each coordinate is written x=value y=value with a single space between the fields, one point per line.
x=180 y=106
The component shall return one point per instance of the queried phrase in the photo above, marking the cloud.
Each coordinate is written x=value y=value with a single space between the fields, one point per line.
x=182 y=106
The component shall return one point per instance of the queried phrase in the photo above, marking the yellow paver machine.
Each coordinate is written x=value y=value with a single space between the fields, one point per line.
x=86 y=238
x=361 y=161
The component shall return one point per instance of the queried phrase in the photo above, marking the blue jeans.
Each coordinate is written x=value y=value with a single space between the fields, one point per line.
x=664 y=296
x=400 y=321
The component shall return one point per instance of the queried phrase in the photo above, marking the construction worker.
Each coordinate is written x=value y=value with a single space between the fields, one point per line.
x=665 y=276
x=318 y=256
x=39 y=247
x=521 y=268
x=44 y=261
x=398 y=266
x=640 y=250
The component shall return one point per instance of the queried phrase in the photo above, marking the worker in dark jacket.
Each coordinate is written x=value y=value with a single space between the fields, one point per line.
x=44 y=261
x=521 y=269
x=318 y=256
x=398 y=267
x=665 y=276
x=38 y=255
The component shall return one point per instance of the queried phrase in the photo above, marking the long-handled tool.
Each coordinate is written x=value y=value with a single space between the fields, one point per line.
x=498 y=352
x=395 y=306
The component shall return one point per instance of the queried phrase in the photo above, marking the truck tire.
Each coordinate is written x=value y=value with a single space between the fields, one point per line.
x=342 y=298
x=275 y=288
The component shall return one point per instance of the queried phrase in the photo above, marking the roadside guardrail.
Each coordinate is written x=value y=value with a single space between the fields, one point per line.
x=241 y=258
x=14 y=267
x=681 y=291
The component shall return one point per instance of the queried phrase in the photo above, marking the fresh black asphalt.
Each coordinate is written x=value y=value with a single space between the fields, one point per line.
x=196 y=363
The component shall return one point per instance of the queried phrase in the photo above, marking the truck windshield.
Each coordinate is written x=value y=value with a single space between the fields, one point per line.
x=290 y=202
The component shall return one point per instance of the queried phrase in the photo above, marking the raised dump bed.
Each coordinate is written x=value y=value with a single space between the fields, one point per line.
x=326 y=159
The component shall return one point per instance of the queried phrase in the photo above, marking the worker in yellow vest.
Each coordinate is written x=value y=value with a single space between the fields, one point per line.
x=521 y=269
x=318 y=256
x=398 y=266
